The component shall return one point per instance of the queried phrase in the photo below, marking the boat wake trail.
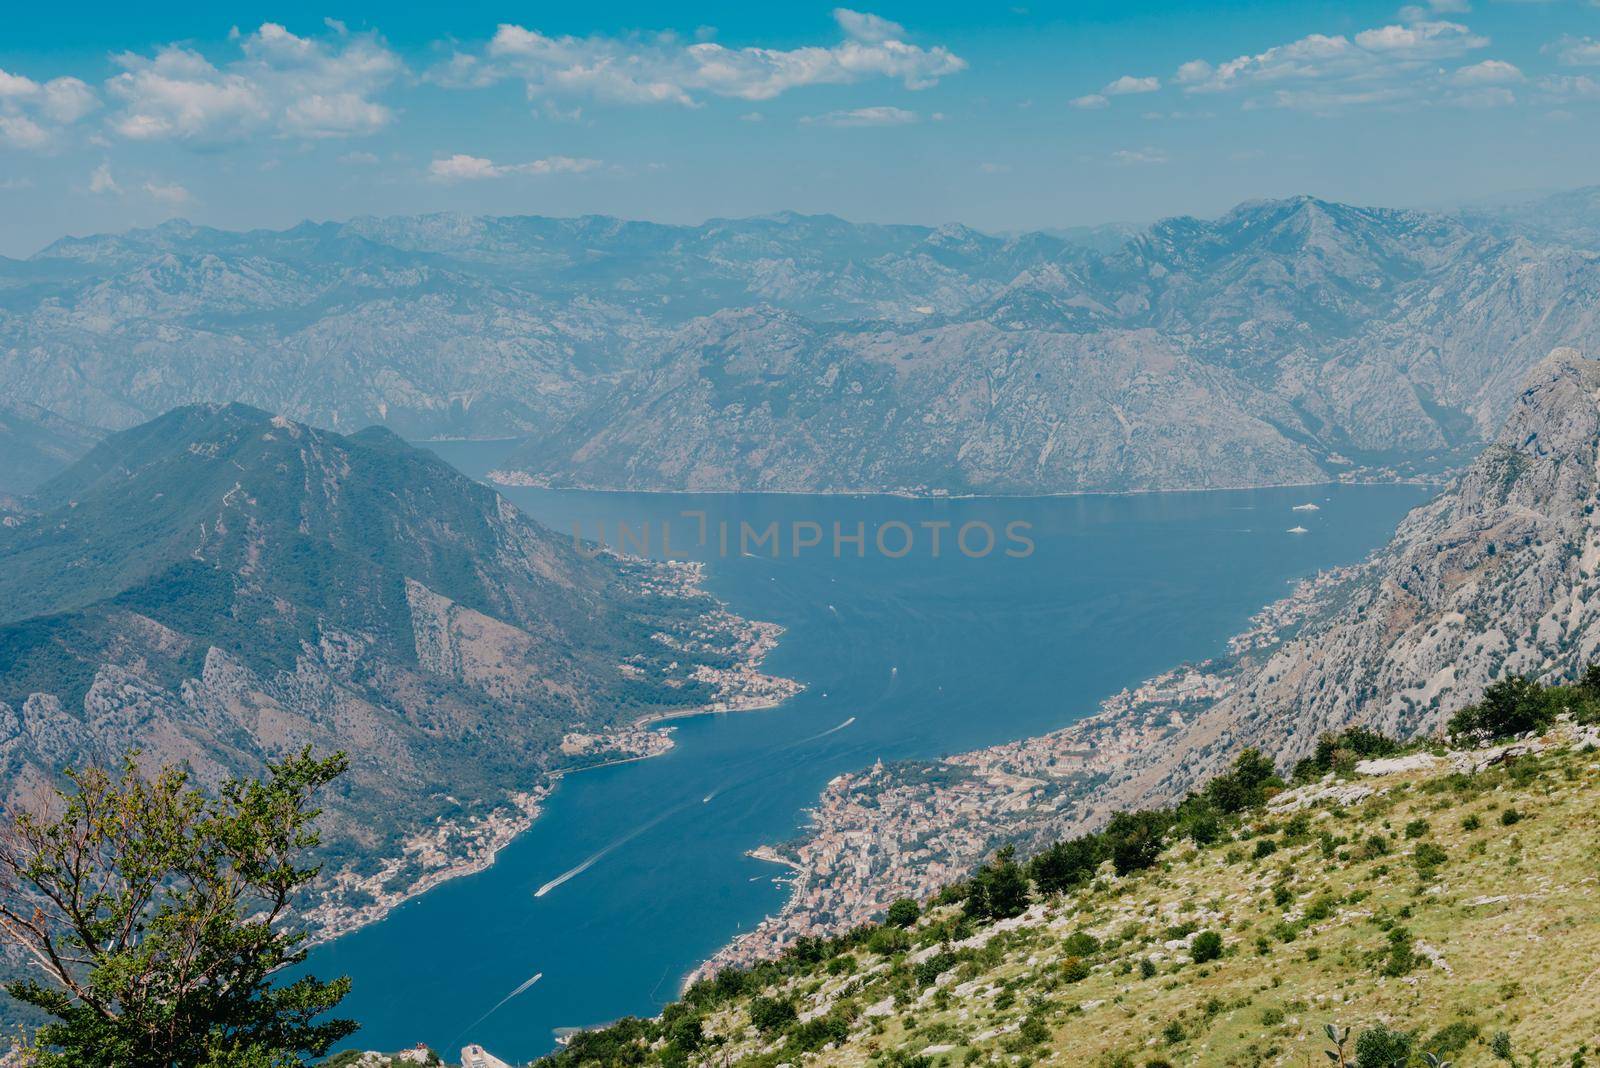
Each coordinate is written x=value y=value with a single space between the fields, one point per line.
x=830 y=730
x=499 y=1005
x=593 y=859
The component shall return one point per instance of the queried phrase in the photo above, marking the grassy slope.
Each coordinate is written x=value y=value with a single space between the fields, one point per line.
x=1527 y=963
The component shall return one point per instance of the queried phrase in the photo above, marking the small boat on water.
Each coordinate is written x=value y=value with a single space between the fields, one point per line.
x=1298 y=530
x=1307 y=507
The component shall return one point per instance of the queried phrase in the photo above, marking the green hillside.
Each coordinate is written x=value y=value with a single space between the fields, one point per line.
x=1432 y=903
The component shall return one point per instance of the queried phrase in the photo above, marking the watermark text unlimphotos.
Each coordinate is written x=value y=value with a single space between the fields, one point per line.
x=695 y=533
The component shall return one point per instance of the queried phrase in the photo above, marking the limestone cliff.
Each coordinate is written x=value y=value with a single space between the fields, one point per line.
x=1500 y=574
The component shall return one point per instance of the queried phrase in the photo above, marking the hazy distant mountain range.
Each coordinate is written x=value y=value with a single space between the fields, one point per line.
x=1287 y=341
x=35 y=443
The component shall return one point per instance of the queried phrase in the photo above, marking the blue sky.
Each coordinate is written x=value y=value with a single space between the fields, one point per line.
x=1001 y=117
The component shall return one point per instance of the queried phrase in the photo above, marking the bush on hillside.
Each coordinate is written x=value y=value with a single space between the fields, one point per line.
x=999 y=890
x=1379 y=1047
x=1207 y=946
x=1065 y=865
x=1514 y=705
x=1245 y=786
x=771 y=1014
x=902 y=913
x=1134 y=840
x=1340 y=752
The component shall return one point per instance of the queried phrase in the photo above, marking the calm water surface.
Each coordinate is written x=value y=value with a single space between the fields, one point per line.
x=931 y=656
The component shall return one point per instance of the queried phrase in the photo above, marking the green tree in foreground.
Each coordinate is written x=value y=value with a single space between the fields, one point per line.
x=903 y=913
x=157 y=915
x=999 y=889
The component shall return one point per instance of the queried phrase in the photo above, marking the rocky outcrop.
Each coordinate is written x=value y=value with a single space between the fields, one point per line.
x=1500 y=574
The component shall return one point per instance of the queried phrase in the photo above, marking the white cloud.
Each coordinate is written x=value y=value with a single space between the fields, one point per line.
x=663 y=69
x=1129 y=157
x=66 y=100
x=1489 y=72
x=875 y=116
x=1092 y=102
x=1128 y=84
x=752 y=116
x=1576 y=51
x=1491 y=96
x=1571 y=87
x=1421 y=40
x=33 y=113
x=1383 y=66
x=860 y=26
x=1433 y=8
x=171 y=194
x=290 y=85
x=19 y=131
x=102 y=182
x=463 y=168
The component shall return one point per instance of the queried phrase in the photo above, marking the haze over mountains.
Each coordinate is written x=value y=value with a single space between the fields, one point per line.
x=1288 y=341
x=35 y=443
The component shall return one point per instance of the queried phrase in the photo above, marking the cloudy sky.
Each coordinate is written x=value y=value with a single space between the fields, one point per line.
x=1000 y=116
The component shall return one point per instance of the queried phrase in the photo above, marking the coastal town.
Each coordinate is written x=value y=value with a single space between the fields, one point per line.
x=907 y=829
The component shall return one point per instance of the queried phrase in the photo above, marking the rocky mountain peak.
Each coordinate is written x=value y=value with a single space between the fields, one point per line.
x=1496 y=576
x=1544 y=457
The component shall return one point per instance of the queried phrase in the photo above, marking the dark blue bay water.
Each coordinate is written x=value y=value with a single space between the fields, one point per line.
x=931 y=656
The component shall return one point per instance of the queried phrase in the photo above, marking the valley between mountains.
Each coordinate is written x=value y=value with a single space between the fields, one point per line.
x=215 y=584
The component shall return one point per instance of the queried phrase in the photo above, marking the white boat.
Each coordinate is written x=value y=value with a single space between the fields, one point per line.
x=1307 y=507
x=1298 y=530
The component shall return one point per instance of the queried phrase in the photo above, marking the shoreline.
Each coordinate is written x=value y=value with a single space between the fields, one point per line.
x=492 y=478
x=875 y=836
x=651 y=719
x=461 y=847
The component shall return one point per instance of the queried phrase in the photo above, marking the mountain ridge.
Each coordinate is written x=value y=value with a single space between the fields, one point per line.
x=222 y=585
x=1351 y=342
x=35 y=443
